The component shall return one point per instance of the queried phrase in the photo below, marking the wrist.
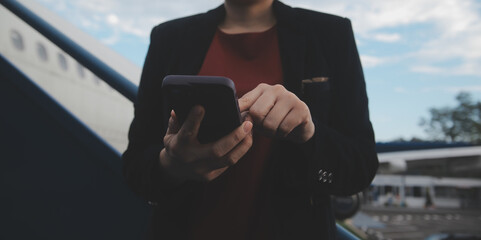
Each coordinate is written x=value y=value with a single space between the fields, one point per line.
x=166 y=167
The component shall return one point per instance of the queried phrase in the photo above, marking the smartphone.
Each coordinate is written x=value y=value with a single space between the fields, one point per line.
x=216 y=94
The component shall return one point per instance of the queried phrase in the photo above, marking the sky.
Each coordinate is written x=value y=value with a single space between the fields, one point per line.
x=416 y=54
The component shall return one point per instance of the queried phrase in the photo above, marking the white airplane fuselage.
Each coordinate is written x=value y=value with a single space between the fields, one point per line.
x=87 y=97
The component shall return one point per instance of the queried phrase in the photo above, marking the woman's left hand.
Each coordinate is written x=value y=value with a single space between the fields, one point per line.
x=278 y=112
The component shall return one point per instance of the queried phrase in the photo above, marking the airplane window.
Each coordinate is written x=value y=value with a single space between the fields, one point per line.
x=17 y=40
x=42 y=52
x=81 y=70
x=62 y=60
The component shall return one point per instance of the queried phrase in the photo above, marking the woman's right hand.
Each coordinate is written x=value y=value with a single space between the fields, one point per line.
x=184 y=158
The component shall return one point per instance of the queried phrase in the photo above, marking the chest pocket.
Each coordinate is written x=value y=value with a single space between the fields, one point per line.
x=317 y=86
x=316 y=93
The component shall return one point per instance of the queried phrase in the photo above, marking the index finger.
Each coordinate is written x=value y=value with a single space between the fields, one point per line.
x=246 y=101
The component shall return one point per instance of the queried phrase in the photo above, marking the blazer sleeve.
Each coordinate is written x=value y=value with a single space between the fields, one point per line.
x=141 y=165
x=342 y=150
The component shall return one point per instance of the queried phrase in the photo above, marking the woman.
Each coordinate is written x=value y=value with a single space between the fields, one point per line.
x=307 y=133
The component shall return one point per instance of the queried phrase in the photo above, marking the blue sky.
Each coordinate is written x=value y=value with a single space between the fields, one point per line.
x=416 y=54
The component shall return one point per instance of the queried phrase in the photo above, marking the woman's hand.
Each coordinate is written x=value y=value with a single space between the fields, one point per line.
x=187 y=159
x=278 y=112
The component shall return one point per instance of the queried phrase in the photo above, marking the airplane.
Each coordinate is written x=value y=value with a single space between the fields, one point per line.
x=95 y=103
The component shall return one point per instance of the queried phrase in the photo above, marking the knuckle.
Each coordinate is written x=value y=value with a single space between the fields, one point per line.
x=244 y=99
x=279 y=88
x=303 y=106
x=291 y=96
x=168 y=148
x=238 y=136
x=301 y=120
x=216 y=151
x=230 y=160
x=254 y=111
x=262 y=85
x=257 y=113
x=174 y=149
x=187 y=134
x=268 y=124
x=285 y=127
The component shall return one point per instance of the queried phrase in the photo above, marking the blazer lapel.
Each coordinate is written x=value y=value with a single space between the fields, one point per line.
x=196 y=40
x=292 y=46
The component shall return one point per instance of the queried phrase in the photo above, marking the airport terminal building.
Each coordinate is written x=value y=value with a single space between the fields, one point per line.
x=435 y=178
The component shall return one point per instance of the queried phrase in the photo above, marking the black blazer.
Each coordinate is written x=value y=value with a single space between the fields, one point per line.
x=320 y=65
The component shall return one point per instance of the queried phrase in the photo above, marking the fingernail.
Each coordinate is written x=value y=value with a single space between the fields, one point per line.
x=247 y=126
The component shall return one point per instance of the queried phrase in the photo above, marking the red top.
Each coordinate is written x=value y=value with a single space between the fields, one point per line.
x=233 y=203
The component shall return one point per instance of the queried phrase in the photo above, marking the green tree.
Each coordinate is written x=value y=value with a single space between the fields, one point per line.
x=461 y=123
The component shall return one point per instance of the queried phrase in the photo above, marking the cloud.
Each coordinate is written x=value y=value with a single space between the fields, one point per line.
x=371 y=61
x=446 y=30
x=135 y=18
x=468 y=68
x=112 y=19
x=464 y=68
x=400 y=90
x=385 y=37
x=451 y=30
x=427 y=69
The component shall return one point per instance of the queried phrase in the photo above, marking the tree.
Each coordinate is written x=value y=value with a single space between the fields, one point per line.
x=461 y=123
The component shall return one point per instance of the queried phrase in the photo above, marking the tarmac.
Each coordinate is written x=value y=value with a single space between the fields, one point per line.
x=397 y=223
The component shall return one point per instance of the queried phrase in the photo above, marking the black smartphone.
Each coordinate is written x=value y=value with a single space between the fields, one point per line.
x=216 y=94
